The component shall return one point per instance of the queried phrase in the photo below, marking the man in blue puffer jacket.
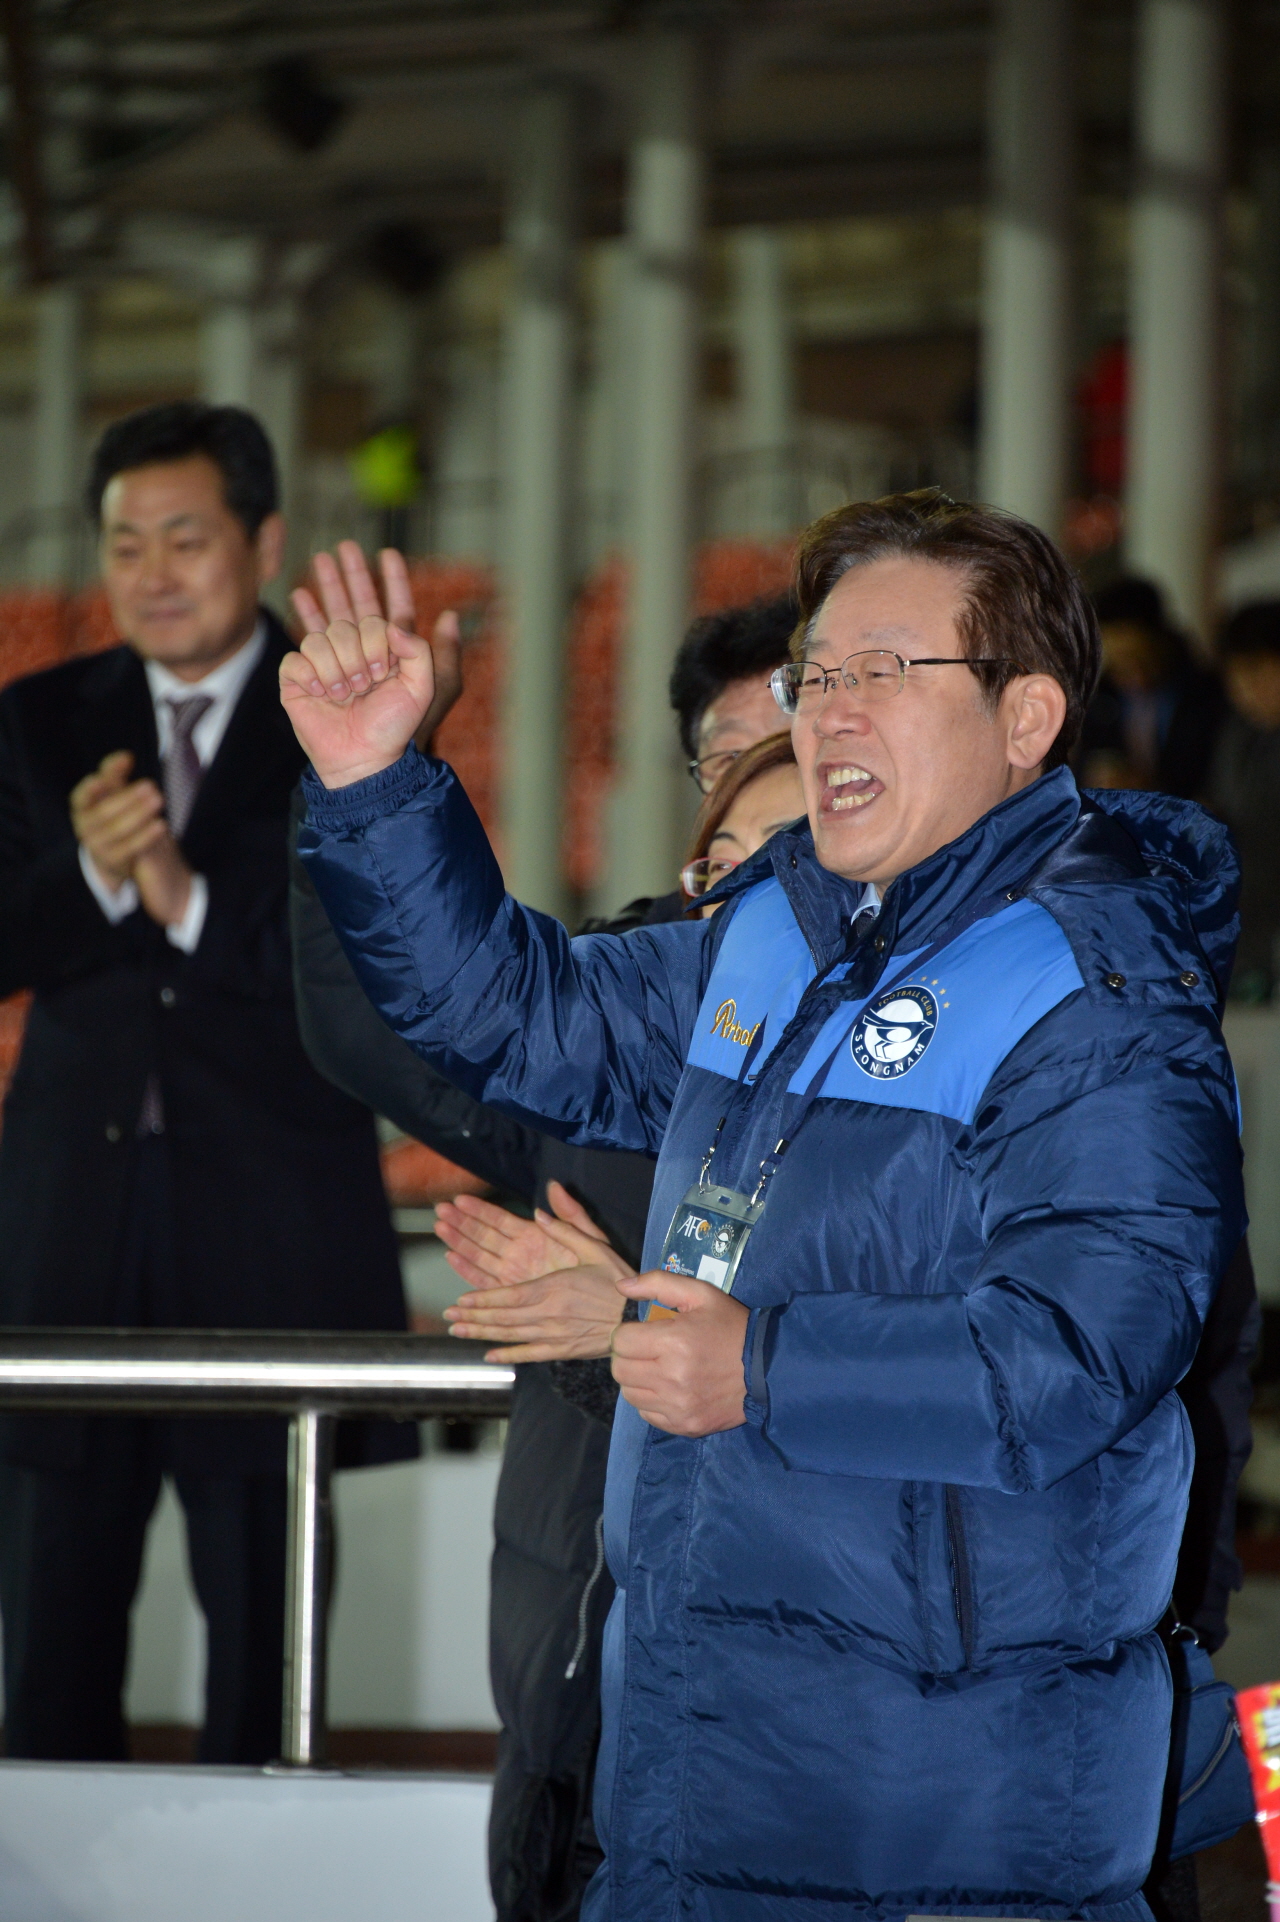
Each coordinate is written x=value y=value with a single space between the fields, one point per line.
x=949 y=1172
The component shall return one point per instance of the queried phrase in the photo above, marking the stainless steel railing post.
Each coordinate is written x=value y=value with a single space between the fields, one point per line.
x=311 y=1377
x=309 y=1567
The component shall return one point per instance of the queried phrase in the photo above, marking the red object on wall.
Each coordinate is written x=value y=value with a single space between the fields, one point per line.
x=415 y=1176
x=90 y=628
x=1103 y=400
x=468 y=737
x=33 y=631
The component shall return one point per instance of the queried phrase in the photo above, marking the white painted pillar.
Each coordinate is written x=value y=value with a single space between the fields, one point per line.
x=1175 y=406
x=55 y=463
x=397 y=374
x=535 y=479
x=1027 y=318
x=664 y=219
x=228 y=354
x=465 y=481
x=766 y=380
x=606 y=412
x=276 y=384
x=229 y=345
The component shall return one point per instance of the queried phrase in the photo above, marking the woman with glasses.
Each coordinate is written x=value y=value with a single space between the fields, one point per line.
x=758 y=793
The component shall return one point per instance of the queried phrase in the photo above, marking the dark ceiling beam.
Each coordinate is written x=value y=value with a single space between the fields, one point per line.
x=25 y=139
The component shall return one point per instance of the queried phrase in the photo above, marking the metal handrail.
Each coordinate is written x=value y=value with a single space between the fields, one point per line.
x=312 y=1378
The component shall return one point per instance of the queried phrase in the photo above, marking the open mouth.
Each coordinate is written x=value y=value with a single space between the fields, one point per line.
x=849 y=787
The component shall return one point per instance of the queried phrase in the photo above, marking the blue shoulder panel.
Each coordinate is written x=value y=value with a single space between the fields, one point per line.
x=761 y=971
x=931 y=1038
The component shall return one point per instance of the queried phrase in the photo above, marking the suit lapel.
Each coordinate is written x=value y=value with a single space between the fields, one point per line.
x=114 y=712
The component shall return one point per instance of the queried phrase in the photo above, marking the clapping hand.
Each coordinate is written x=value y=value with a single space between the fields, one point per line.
x=121 y=825
x=363 y=684
x=548 y=1288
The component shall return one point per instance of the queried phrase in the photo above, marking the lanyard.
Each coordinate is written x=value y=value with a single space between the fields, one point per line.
x=959 y=923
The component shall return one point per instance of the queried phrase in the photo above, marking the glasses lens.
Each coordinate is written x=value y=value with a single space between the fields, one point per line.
x=877 y=676
x=784 y=682
x=708 y=772
x=704 y=873
x=810 y=685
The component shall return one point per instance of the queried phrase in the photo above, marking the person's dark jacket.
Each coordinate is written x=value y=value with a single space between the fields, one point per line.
x=1193 y=708
x=1243 y=788
x=956 y=1563
x=281 y=1221
x=550 y=1588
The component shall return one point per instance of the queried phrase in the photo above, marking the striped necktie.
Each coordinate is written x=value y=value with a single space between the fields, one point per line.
x=182 y=768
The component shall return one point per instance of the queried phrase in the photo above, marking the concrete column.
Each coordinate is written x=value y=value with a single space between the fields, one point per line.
x=1175 y=411
x=276 y=387
x=55 y=463
x=228 y=354
x=397 y=377
x=276 y=383
x=1027 y=319
x=1258 y=398
x=535 y=481
x=664 y=223
x=606 y=412
x=766 y=380
x=231 y=271
x=466 y=461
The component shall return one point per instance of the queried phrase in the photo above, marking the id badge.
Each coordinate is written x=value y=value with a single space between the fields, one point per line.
x=708 y=1233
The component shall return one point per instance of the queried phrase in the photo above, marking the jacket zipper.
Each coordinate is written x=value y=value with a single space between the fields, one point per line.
x=585 y=1602
x=961 y=1583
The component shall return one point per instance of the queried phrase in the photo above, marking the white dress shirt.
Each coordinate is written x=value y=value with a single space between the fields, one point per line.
x=223 y=689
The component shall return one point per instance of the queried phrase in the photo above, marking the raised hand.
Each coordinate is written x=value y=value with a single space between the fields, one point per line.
x=362 y=685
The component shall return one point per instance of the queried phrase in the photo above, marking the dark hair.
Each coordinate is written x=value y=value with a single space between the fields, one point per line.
x=178 y=429
x=726 y=647
x=1131 y=599
x=775 y=750
x=1251 y=630
x=1023 y=602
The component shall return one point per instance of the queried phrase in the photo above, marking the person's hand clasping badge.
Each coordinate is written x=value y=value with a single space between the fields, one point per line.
x=684 y=1372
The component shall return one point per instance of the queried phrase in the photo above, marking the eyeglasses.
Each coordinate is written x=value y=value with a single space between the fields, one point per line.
x=708 y=771
x=801 y=687
x=700 y=876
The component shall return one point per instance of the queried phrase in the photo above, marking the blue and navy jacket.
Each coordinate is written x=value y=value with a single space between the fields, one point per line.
x=887 y=1648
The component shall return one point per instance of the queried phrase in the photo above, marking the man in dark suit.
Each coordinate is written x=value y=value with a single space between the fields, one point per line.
x=169 y=1156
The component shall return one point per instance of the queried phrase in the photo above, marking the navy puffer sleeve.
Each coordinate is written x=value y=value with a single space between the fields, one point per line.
x=582 y=1038
x=1100 y=1159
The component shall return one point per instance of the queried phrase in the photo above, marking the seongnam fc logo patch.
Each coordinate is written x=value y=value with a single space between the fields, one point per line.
x=893 y=1031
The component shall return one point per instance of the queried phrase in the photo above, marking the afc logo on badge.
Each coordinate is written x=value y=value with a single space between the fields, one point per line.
x=893 y=1031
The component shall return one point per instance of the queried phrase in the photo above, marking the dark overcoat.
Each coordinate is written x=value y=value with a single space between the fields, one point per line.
x=279 y=1215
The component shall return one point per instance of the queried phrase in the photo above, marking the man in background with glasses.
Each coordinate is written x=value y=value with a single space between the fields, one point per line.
x=896 y=1491
x=720 y=683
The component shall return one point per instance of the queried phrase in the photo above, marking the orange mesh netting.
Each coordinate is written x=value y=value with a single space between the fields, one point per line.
x=726 y=574
x=468 y=737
